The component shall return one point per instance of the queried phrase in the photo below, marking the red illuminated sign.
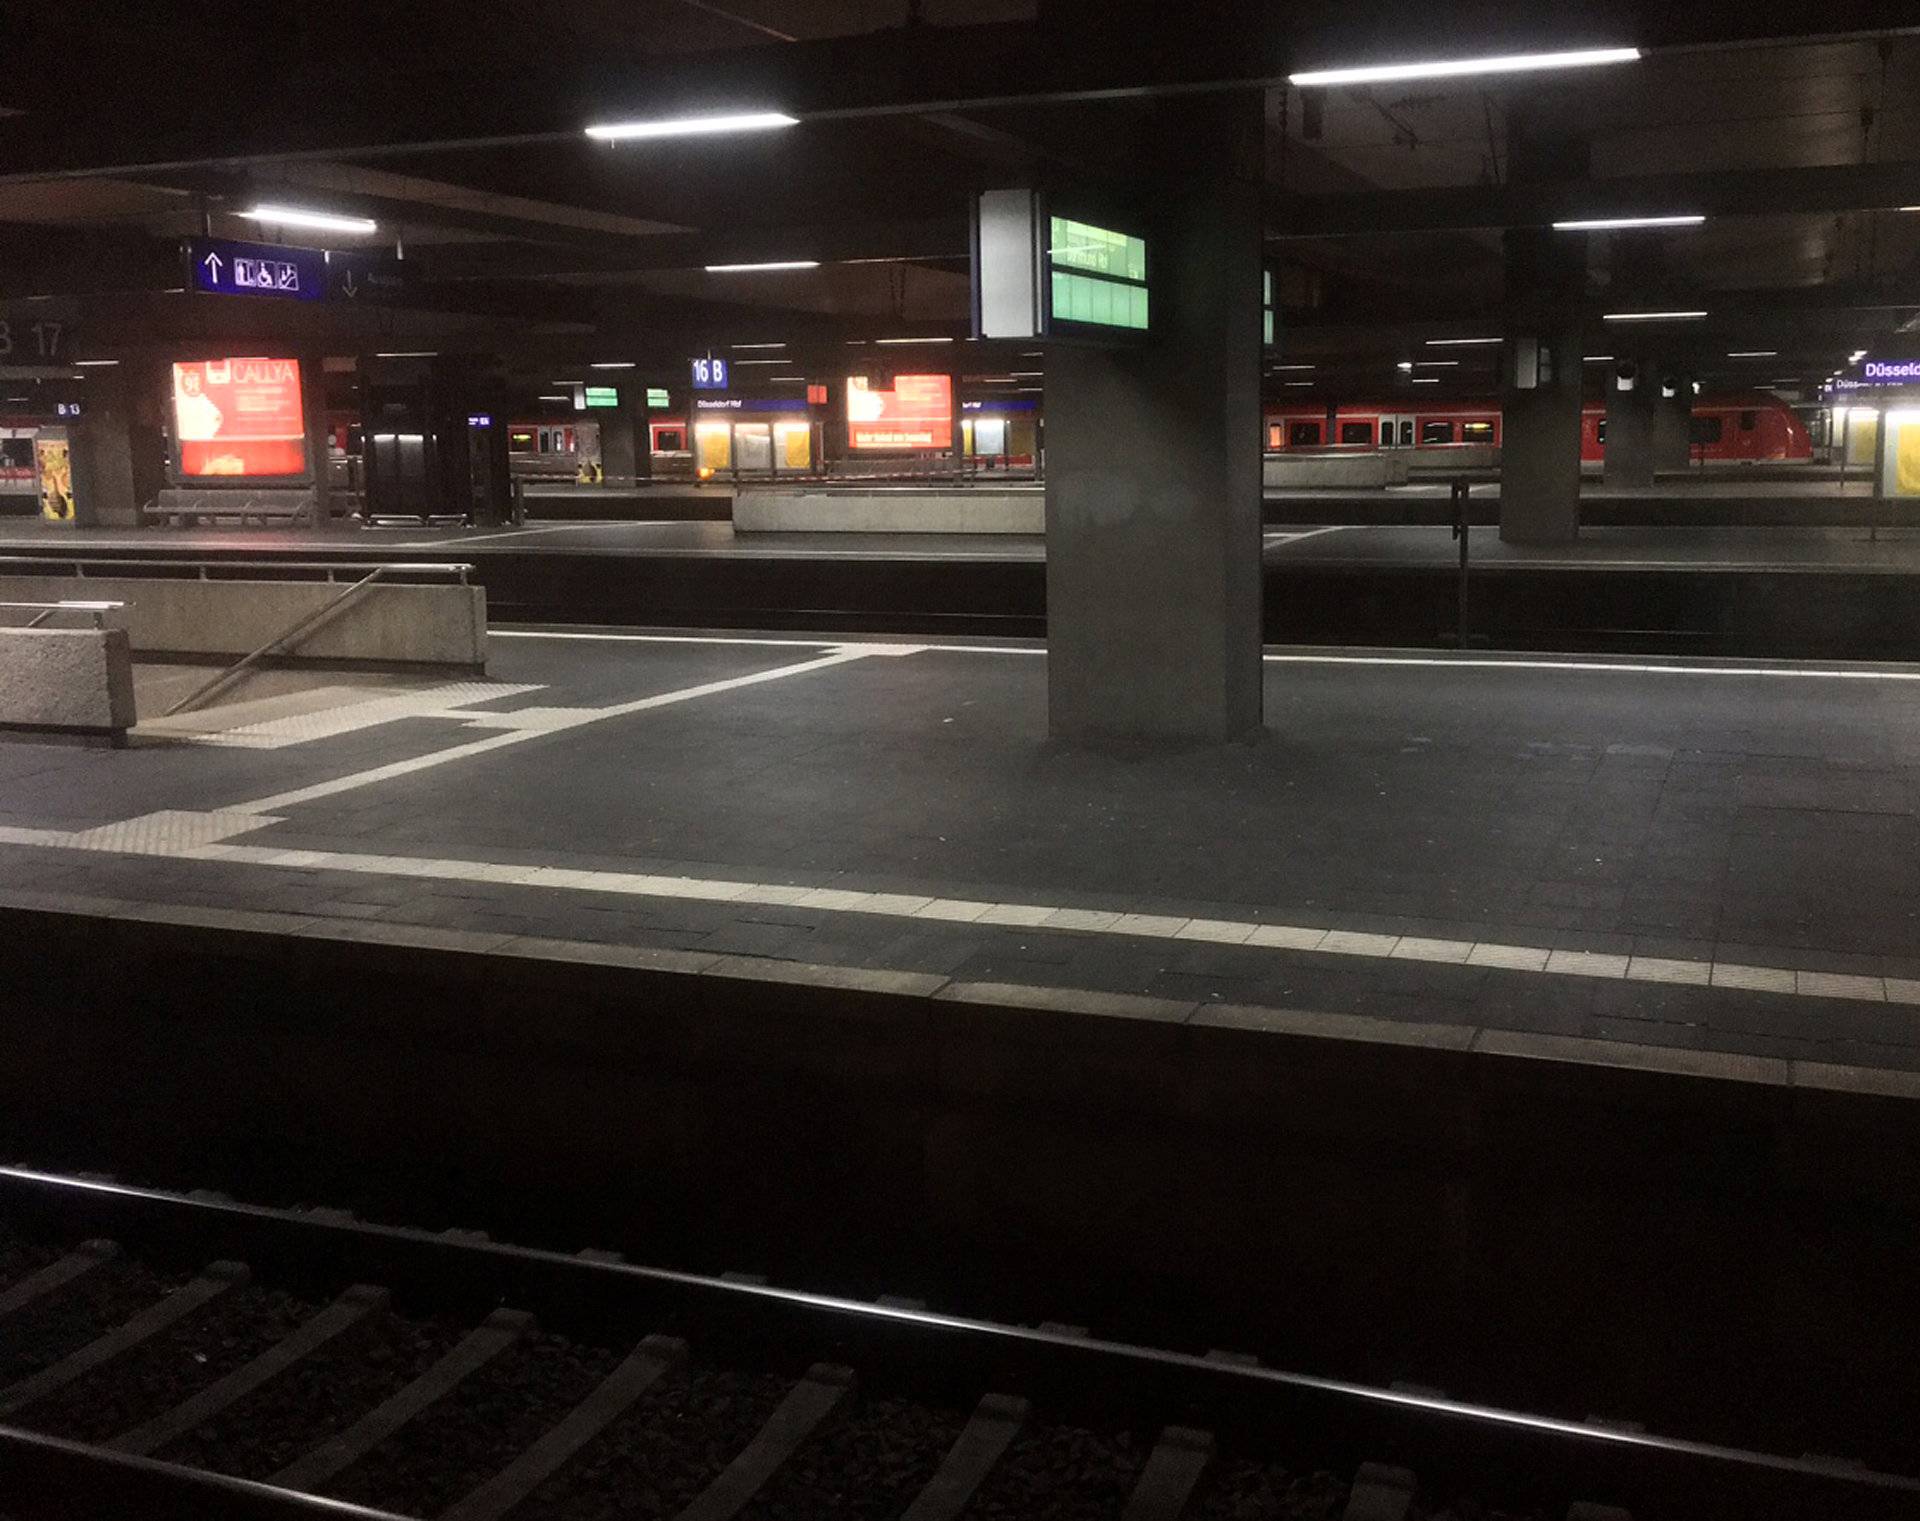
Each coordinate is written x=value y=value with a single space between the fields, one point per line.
x=239 y=417
x=916 y=414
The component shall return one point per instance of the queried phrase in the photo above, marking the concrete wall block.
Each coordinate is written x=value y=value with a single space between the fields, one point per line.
x=439 y=626
x=977 y=509
x=71 y=679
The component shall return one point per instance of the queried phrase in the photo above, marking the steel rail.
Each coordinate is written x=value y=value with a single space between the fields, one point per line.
x=1430 y=1432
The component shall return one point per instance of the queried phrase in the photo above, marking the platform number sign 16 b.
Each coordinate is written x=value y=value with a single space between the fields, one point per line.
x=38 y=342
x=709 y=374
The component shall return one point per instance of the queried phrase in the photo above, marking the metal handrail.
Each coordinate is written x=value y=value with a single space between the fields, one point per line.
x=46 y=610
x=106 y=565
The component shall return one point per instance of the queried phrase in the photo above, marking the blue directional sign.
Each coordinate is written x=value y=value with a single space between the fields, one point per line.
x=222 y=267
x=709 y=374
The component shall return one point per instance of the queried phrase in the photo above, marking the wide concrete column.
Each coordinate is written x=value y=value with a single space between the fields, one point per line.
x=1541 y=395
x=623 y=435
x=1673 y=420
x=102 y=445
x=1630 y=422
x=1153 y=462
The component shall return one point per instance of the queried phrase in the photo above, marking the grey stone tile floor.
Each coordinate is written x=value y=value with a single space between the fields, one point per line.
x=1707 y=814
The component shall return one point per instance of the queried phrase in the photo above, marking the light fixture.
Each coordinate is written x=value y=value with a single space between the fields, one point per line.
x=614 y=364
x=1596 y=359
x=690 y=126
x=741 y=364
x=757 y=345
x=554 y=398
x=1446 y=68
x=777 y=379
x=1296 y=382
x=1028 y=374
x=1754 y=354
x=319 y=221
x=92 y=364
x=768 y=264
x=1856 y=356
x=1652 y=316
x=1461 y=343
x=1404 y=365
x=1279 y=367
x=913 y=340
x=1435 y=364
x=1612 y=224
x=408 y=354
x=1426 y=380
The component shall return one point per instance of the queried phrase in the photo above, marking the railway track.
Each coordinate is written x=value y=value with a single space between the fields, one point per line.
x=169 y=1355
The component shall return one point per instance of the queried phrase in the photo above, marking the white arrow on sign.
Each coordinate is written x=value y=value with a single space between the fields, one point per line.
x=212 y=262
x=347 y=285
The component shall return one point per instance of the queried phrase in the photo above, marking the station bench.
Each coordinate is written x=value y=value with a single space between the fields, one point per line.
x=291 y=507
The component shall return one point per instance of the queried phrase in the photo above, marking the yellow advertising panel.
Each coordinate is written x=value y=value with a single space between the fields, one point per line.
x=796 y=445
x=1906 y=457
x=713 y=446
x=54 y=457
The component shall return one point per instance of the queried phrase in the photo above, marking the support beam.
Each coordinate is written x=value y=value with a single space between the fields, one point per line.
x=1153 y=468
x=1633 y=394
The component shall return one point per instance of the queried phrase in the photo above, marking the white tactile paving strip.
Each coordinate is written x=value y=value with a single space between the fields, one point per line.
x=446 y=700
x=209 y=836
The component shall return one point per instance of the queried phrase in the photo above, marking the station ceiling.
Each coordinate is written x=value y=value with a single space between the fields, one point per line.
x=458 y=128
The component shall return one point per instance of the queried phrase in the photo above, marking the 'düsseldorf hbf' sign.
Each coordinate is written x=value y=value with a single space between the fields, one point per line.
x=1891 y=371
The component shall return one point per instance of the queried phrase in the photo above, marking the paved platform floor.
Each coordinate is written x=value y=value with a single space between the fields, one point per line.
x=1599 y=548
x=1710 y=856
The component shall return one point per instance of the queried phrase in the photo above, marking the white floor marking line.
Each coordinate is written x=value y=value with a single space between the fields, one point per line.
x=1644 y=669
x=521 y=736
x=200 y=837
x=1442 y=660
x=1286 y=537
x=443 y=701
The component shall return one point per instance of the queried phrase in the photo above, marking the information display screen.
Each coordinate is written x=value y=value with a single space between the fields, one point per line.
x=916 y=414
x=240 y=417
x=1096 y=276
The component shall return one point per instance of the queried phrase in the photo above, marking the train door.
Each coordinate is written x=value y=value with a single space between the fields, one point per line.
x=753 y=448
x=1396 y=430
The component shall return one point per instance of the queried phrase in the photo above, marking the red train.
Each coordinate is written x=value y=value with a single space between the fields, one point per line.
x=1747 y=425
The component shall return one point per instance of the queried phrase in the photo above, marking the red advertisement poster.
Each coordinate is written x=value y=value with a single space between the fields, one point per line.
x=916 y=414
x=239 y=417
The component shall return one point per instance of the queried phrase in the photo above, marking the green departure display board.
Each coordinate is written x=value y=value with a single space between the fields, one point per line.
x=1096 y=276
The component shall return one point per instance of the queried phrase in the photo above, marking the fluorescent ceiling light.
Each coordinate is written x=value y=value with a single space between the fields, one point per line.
x=776 y=379
x=409 y=354
x=743 y=363
x=1856 y=356
x=320 y=221
x=1461 y=343
x=1028 y=374
x=1405 y=364
x=1434 y=364
x=1297 y=382
x=1596 y=359
x=88 y=364
x=1448 y=68
x=913 y=340
x=757 y=345
x=614 y=364
x=1608 y=224
x=1426 y=380
x=1651 y=316
x=1278 y=367
x=554 y=398
x=690 y=126
x=1754 y=354
x=745 y=269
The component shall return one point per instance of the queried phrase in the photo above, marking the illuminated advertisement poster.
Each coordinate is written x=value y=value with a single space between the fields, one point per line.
x=55 y=460
x=916 y=414
x=239 y=417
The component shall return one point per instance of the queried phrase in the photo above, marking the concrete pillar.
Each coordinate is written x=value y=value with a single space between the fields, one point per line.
x=101 y=441
x=1673 y=421
x=1630 y=420
x=1153 y=462
x=622 y=435
x=313 y=386
x=1540 y=400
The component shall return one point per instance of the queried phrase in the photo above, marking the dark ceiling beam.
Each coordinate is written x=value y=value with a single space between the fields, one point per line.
x=926 y=238
x=1076 y=51
x=1454 y=208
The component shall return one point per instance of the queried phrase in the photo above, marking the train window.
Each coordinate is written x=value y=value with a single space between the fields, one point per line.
x=1705 y=430
x=1386 y=434
x=1356 y=433
x=1303 y=433
x=1748 y=420
x=16 y=453
x=670 y=441
x=1436 y=432
x=1600 y=431
x=1406 y=433
x=1476 y=432
x=520 y=441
